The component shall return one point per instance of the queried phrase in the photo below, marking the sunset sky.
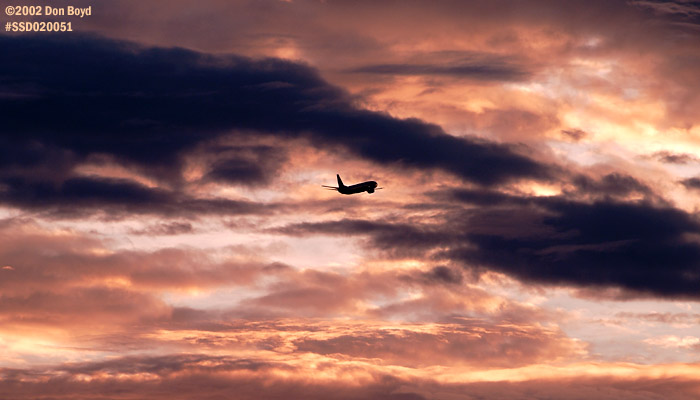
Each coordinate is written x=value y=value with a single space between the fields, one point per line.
x=164 y=233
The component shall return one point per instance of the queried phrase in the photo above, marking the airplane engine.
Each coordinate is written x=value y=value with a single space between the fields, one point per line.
x=370 y=190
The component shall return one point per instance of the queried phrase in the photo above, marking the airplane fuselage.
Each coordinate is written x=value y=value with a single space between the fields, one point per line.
x=368 y=187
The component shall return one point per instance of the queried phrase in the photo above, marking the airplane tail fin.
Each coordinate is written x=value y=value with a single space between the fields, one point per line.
x=340 y=182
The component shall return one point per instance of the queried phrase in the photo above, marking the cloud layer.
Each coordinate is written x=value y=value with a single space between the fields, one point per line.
x=164 y=232
x=146 y=108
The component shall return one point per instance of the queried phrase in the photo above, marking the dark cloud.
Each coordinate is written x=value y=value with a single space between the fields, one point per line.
x=610 y=186
x=443 y=274
x=683 y=10
x=479 y=197
x=640 y=247
x=169 y=228
x=691 y=183
x=146 y=108
x=246 y=165
x=675 y=158
x=162 y=365
x=79 y=191
x=574 y=134
x=481 y=67
x=398 y=238
x=633 y=246
x=341 y=227
x=613 y=184
x=85 y=195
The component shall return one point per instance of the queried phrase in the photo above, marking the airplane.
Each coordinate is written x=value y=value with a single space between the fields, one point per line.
x=369 y=187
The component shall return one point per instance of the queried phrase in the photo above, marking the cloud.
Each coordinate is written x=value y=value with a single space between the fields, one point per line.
x=169 y=228
x=613 y=184
x=664 y=318
x=54 y=272
x=65 y=282
x=691 y=183
x=574 y=134
x=634 y=246
x=122 y=130
x=81 y=196
x=399 y=238
x=60 y=261
x=80 y=308
x=443 y=274
x=637 y=246
x=673 y=341
x=684 y=9
x=183 y=376
x=247 y=165
x=471 y=343
x=147 y=108
x=476 y=66
x=675 y=158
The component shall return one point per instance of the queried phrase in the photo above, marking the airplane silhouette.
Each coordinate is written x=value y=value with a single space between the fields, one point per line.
x=369 y=187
